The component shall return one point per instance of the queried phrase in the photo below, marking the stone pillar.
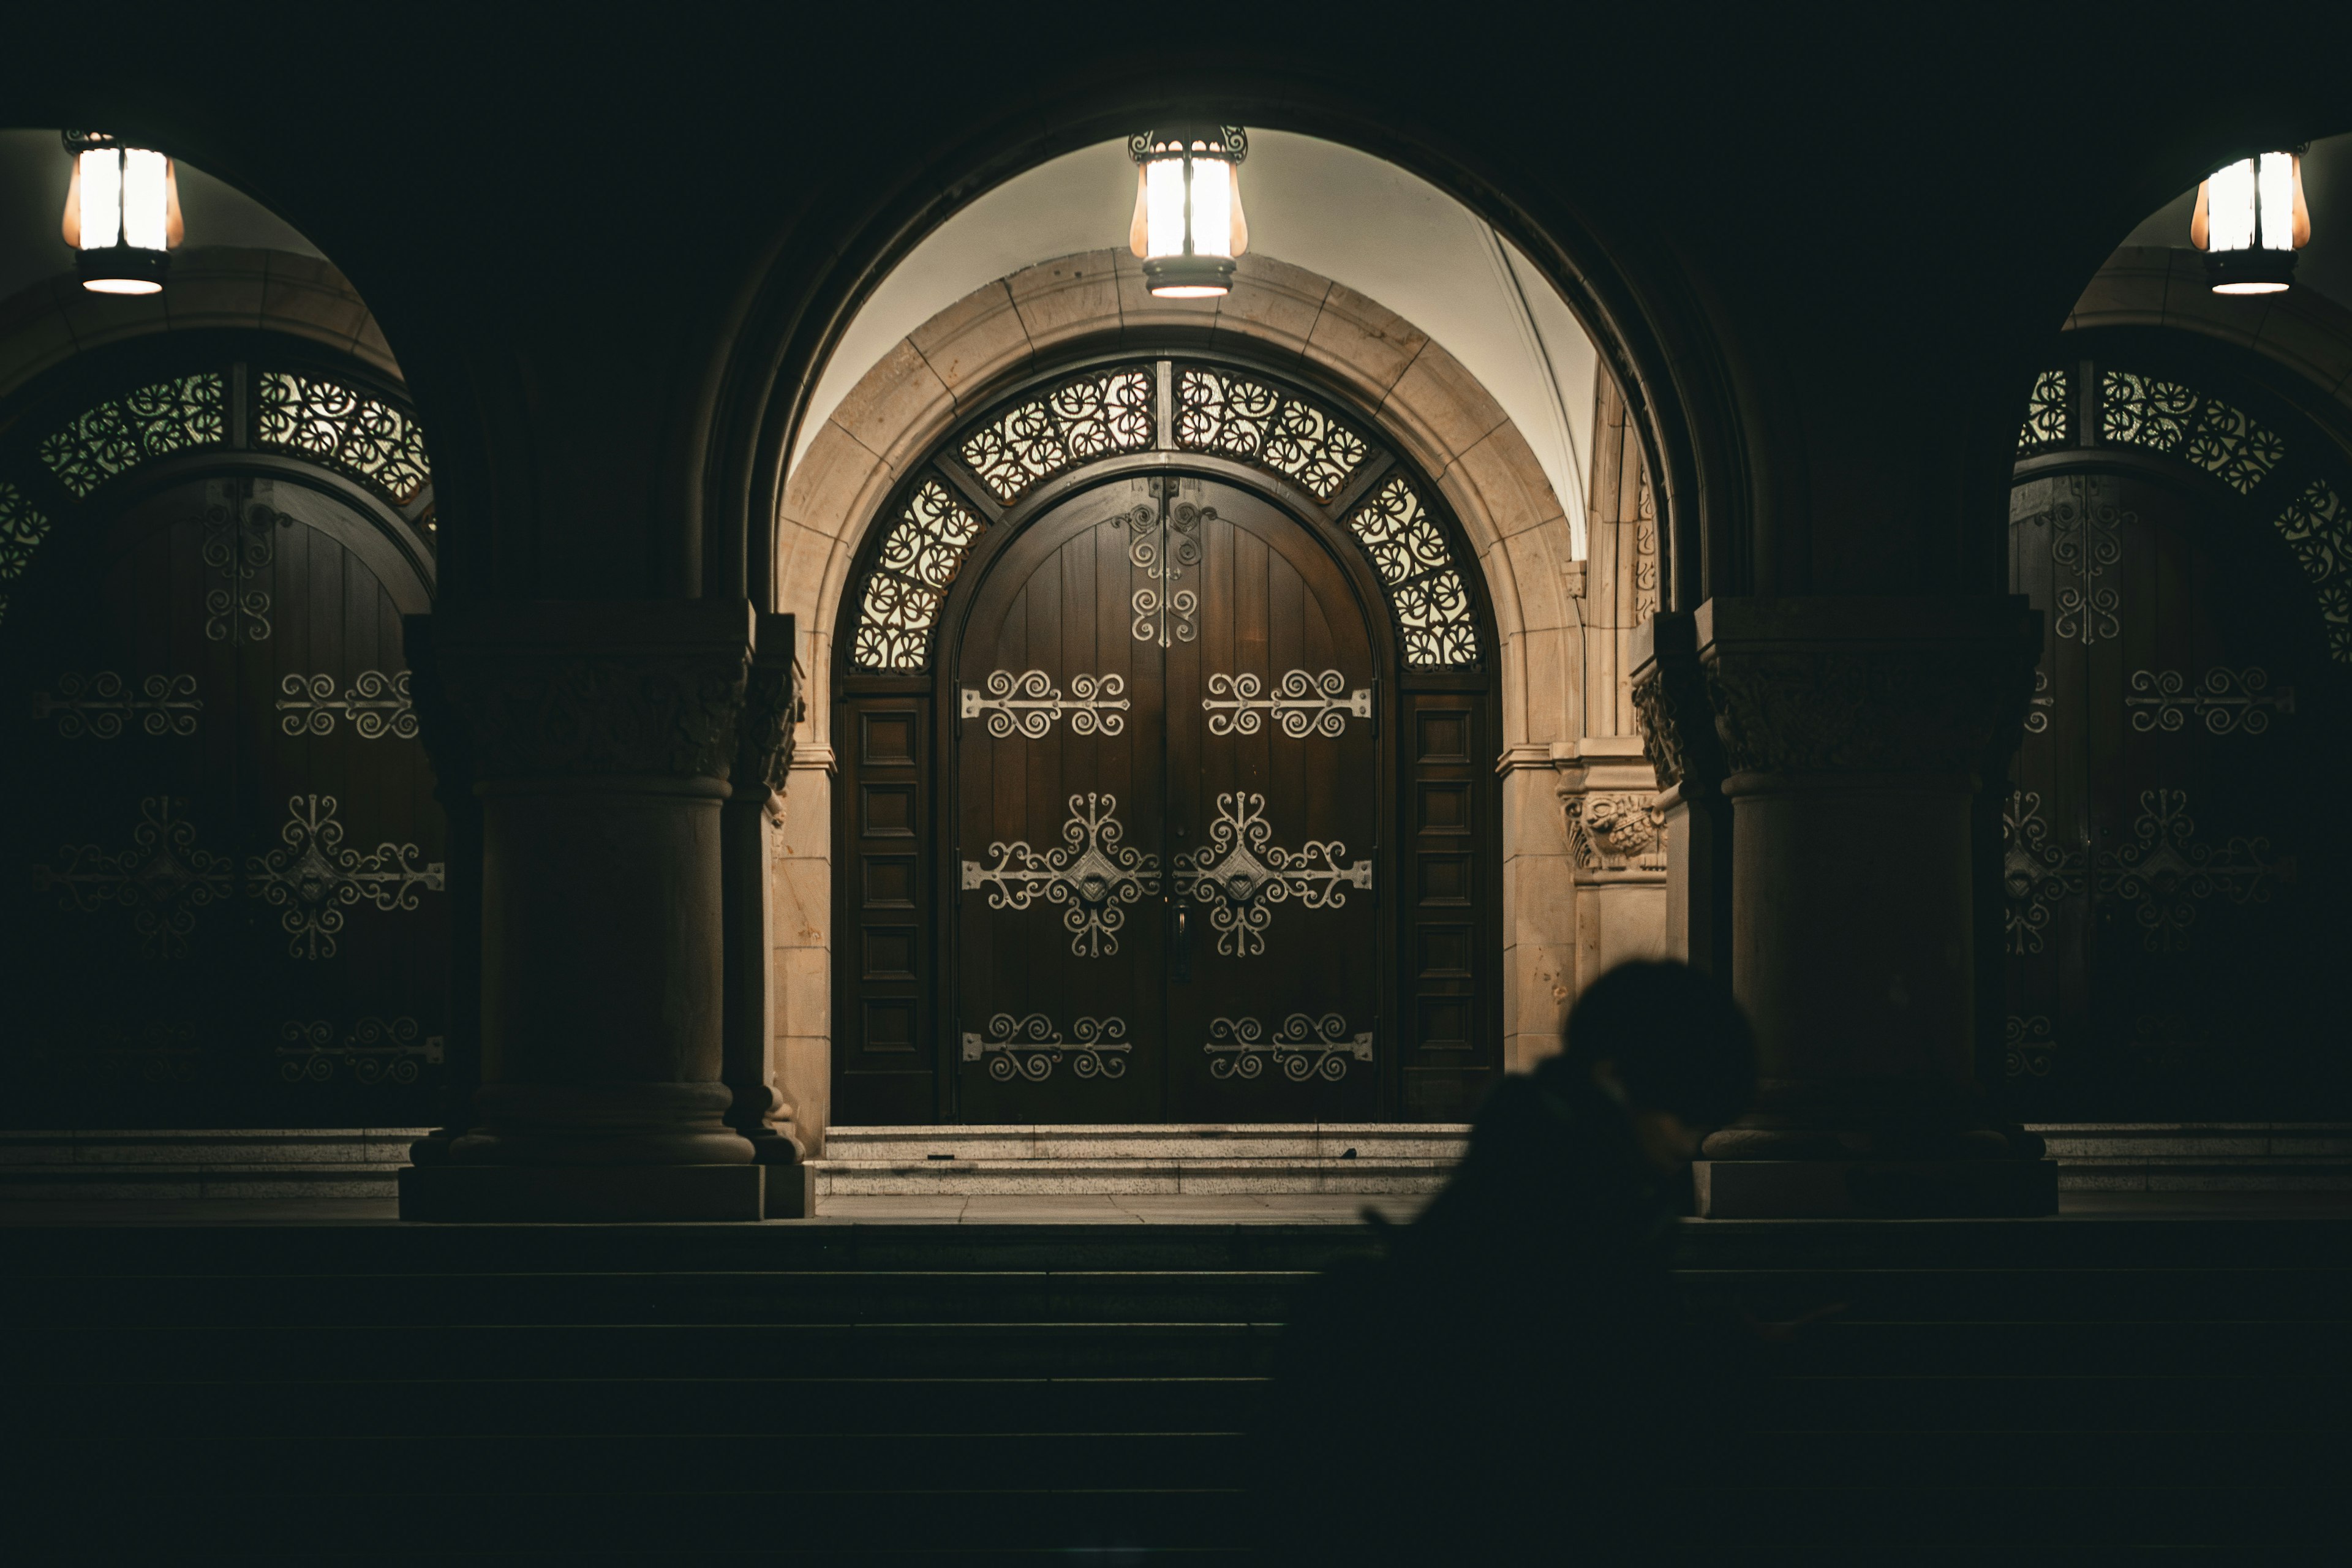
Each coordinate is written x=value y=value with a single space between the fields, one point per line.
x=1857 y=732
x=1686 y=755
x=445 y=743
x=1608 y=795
x=752 y=815
x=602 y=735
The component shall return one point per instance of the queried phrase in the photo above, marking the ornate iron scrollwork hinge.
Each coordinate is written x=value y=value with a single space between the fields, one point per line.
x=1303 y=1046
x=1091 y=875
x=1162 y=543
x=1241 y=874
x=1030 y=703
x=1302 y=704
x=1030 y=1047
x=97 y=706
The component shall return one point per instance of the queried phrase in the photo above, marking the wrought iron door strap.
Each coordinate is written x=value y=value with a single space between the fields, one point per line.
x=2166 y=871
x=165 y=876
x=375 y=1050
x=238 y=544
x=95 y=706
x=2087 y=532
x=1030 y=1047
x=377 y=705
x=1162 y=541
x=1029 y=704
x=313 y=876
x=1242 y=874
x=2225 y=700
x=1091 y=875
x=1303 y=1046
x=1301 y=705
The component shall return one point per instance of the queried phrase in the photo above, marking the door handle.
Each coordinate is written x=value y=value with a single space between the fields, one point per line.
x=1179 y=966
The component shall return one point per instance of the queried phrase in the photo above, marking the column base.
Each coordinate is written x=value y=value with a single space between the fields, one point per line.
x=587 y=1193
x=1875 y=1189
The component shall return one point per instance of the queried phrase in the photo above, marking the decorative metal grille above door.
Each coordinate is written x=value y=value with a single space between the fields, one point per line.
x=1160 y=696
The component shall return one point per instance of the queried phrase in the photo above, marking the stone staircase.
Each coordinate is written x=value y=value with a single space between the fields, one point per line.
x=2077 y=1390
x=1366 y=1158
x=2200 y=1157
x=1386 y=1159
x=240 y=1162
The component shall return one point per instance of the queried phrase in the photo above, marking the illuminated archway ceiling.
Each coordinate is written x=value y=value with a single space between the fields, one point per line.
x=1347 y=215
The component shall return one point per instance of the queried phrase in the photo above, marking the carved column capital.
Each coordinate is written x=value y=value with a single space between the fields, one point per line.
x=1670 y=703
x=567 y=689
x=1867 y=685
x=772 y=705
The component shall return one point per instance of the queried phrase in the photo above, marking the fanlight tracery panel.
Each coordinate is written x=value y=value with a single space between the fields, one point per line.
x=1430 y=601
x=920 y=556
x=1240 y=416
x=364 y=436
x=1077 y=422
x=115 y=435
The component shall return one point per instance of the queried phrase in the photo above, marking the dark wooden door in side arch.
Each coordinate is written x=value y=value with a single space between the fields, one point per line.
x=2172 y=948
x=224 y=904
x=1168 y=802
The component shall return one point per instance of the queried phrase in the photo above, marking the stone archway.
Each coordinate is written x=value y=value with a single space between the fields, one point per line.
x=304 y=297
x=1427 y=404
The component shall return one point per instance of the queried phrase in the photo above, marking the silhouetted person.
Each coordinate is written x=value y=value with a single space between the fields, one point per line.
x=1501 y=1387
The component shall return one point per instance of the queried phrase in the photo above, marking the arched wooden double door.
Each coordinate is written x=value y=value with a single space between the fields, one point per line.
x=2172 y=853
x=224 y=878
x=1167 y=805
x=1165 y=716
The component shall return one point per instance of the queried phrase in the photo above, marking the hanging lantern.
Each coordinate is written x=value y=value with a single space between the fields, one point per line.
x=2250 y=221
x=122 y=214
x=1188 y=208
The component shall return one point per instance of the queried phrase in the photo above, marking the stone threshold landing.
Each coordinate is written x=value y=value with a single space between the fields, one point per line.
x=1204 y=1159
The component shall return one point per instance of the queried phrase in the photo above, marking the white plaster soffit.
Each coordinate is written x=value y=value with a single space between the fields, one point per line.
x=1327 y=209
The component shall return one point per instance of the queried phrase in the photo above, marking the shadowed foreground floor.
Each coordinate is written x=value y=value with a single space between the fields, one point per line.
x=1057 y=1379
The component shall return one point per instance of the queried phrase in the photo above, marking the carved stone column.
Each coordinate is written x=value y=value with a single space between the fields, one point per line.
x=449 y=746
x=602 y=735
x=1854 y=730
x=1686 y=755
x=1616 y=837
x=753 y=812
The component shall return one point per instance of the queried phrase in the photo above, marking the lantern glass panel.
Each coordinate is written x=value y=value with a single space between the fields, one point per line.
x=1164 y=207
x=2229 y=208
x=1213 y=207
x=2275 y=192
x=101 y=198
x=143 y=198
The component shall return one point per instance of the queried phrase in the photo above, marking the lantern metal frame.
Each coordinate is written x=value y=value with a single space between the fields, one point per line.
x=1195 y=143
x=2260 y=268
x=121 y=262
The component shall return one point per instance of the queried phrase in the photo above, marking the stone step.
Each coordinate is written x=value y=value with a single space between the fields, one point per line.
x=1134 y=1175
x=2207 y=1156
x=179 y=1162
x=1158 y=1142
x=1327 y=1157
